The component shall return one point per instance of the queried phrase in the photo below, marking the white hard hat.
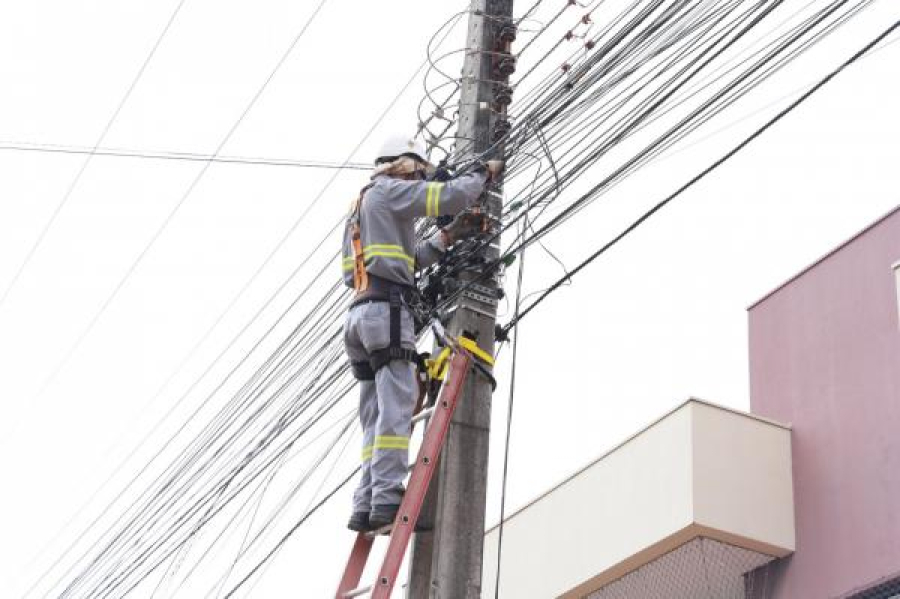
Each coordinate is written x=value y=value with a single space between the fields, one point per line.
x=400 y=145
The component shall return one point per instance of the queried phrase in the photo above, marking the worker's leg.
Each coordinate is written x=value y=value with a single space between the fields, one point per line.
x=397 y=390
x=368 y=408
x=368 y=416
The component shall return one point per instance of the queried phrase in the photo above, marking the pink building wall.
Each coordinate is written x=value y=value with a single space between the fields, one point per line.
x=825 y=357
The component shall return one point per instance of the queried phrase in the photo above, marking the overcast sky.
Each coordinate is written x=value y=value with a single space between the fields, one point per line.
x=662 y=317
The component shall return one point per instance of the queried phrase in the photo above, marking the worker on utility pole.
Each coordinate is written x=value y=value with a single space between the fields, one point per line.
x=380 y=258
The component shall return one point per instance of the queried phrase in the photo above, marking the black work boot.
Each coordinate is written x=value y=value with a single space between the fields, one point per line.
x=359 y=522
x=383 y=515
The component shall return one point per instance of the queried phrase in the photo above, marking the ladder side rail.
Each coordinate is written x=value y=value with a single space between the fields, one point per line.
x=359 y=555
x=421 y=475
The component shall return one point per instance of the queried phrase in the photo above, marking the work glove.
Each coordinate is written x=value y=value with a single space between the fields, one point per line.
x=465 y=225
x=495 y=168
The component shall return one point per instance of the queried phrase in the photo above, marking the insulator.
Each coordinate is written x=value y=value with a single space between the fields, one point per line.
x=501 y=128
x=507 y=33
x=590 y=44
x=506 y=66
x=503 y=95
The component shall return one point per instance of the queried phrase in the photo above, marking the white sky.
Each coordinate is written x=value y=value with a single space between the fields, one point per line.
x=661 y=318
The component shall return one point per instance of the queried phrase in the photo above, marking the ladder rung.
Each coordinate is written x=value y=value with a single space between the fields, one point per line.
x=358 y=592
x=423 y=414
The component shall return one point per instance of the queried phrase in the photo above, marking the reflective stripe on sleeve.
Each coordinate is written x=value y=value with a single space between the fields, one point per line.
x=438 y=188
x=433 y=198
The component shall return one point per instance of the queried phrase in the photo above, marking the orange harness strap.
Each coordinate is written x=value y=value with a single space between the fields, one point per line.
x=360 y=276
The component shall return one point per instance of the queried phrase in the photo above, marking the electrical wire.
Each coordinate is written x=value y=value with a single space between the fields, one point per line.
x=644 y=217
x=84 y=165
x=297 y=386
x=179 y=156
x=618 y=175
x=521 y=247
x=284 y=539
x=509 y=415
x=176 y=208
x=381 y=117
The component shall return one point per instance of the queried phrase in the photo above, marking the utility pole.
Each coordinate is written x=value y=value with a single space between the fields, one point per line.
x=447 y=563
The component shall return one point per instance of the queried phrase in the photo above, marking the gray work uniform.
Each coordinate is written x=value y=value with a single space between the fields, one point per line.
x=387 y=217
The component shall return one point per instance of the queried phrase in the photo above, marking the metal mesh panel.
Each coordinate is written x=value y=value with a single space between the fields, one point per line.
x=700 y=569
x=885 y=590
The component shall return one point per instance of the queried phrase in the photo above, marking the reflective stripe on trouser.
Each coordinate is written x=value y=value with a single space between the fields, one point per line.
x=385 y=405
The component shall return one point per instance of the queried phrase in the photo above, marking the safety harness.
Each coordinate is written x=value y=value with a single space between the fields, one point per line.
x=360 y=276
x=365 y=371
x=430 y=372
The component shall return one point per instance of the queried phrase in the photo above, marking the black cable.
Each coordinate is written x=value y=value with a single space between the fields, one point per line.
x=285 y=501
x=245 y=546
x=401 y=90
x=617 y=176
x=704 y=172
x=318 y=490
x=640 y=158
x=278 y=546
x=135 y=563
x=509 y=415
x=308 y=341
x=630 y=165
x=380 y=118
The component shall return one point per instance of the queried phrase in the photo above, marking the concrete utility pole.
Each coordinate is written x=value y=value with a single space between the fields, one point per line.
x=447 y=563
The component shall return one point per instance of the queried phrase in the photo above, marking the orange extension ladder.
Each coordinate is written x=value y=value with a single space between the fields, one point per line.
x=402 y=529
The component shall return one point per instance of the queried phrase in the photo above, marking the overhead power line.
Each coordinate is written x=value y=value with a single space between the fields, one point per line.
x=618 y=81
x=658 y=206
x=179 y=156
x=643 y=114
x=109 y=124
x=331 y=343
x=575 y=118
x=175 y=209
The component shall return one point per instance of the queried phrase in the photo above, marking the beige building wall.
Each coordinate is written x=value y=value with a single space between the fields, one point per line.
x=701 y=470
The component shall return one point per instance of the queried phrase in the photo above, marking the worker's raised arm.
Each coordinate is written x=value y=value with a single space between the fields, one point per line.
x=429 y=251
x=431 y=198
